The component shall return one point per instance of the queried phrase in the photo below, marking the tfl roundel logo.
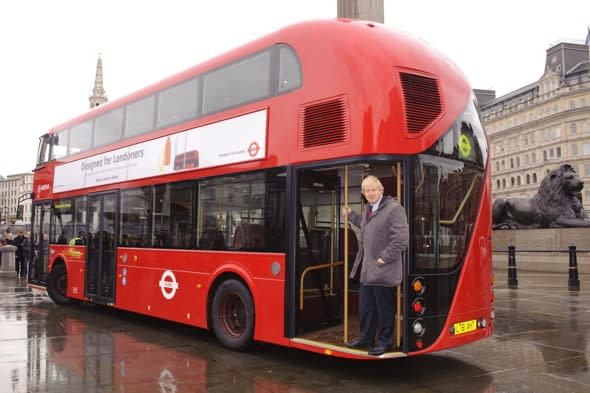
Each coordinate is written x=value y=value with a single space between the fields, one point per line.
x=253 y=149
x=168 y=284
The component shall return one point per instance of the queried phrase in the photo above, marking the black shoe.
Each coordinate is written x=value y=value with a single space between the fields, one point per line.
x=379 y=350
x=356 y=344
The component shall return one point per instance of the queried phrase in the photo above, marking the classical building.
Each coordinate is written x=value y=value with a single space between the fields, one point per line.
x=542 y=125
x=14 y=189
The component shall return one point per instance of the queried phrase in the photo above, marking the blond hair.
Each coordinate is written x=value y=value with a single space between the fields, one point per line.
x=371 y=181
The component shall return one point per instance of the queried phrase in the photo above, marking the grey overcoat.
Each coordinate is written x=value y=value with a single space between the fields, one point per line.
x=384 y=234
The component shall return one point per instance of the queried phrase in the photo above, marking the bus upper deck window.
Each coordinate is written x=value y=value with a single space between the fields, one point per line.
x=290 y=71
x=44 y=149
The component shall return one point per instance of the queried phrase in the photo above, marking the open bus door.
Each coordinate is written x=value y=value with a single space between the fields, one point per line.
x=319 y=270
x=327 y=300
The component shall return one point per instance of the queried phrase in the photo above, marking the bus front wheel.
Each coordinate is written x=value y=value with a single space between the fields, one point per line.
x=232 y=315
x=57 y=284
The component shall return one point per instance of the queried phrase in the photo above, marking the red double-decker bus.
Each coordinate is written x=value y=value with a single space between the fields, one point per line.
x=212 y=198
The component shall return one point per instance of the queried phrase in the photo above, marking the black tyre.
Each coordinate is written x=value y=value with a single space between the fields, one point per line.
x=232 y=315
x=57 y=285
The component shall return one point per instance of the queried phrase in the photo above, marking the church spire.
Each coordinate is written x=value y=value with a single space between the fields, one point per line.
x=98 y=96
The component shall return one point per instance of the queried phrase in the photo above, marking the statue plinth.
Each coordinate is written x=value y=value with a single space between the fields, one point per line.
x=547 y=249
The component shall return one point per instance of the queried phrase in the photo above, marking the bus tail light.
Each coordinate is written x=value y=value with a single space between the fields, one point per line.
x=418 y=285
x=418 y=306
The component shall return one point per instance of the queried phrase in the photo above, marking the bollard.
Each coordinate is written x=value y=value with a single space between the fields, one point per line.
x=512 y=281
x=573 y=283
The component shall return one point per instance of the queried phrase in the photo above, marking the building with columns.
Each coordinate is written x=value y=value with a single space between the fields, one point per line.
x=543 y=125
x=14 y=189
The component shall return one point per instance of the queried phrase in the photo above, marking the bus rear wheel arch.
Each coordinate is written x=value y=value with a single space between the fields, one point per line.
x=57 y=284
x=232 y=314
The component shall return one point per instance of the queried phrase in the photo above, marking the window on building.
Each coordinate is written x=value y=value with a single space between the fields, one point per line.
x=512 y=163
x=574 y=149
x=512 y=181
x=572 y=104
x=576 y=168
x=518 y=162
x=544 y=155
x=586 y=148
x=558 y=152
x=586 y=169
x=528 y=179
x=518 y=181
x=534 y=178
x=574 y=128
x=503 y=183
x=497 y=184
x=585 y=127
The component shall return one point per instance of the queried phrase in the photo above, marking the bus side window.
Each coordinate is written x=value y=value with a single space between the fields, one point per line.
x=211 y=236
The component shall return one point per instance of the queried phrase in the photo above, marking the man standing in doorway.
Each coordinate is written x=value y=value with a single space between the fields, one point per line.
x=384 y=238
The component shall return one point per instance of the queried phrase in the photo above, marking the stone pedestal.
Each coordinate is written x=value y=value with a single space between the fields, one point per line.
x=548 y=249
x=7 y=268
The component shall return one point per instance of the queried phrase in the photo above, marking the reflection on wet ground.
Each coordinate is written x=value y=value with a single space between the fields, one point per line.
x=540 y=345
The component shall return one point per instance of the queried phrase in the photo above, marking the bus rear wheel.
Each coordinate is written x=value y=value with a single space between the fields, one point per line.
x=232 y=315
x=57 y=284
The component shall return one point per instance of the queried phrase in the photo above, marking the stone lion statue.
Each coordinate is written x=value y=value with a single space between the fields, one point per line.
x=557 y=204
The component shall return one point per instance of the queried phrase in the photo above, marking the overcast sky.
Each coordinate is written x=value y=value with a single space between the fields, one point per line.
x=49 y=48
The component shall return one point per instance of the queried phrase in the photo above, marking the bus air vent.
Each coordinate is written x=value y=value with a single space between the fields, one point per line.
x=421 y=101
x=324 y=123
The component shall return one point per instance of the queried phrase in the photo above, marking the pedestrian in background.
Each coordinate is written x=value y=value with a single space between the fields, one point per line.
x=18 y=240
x=26 y=245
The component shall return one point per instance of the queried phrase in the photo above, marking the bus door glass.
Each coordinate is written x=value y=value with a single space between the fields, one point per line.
x=100 y=243
x=39 y=239
x=319 y=269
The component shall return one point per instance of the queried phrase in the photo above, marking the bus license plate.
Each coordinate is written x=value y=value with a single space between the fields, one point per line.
x=464 y=327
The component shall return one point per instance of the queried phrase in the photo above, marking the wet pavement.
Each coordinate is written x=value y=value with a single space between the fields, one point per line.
x=540 y=345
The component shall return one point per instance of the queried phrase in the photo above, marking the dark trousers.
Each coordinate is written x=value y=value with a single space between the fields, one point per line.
x=377 y=311
x=17 y=265
x=24 y=267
